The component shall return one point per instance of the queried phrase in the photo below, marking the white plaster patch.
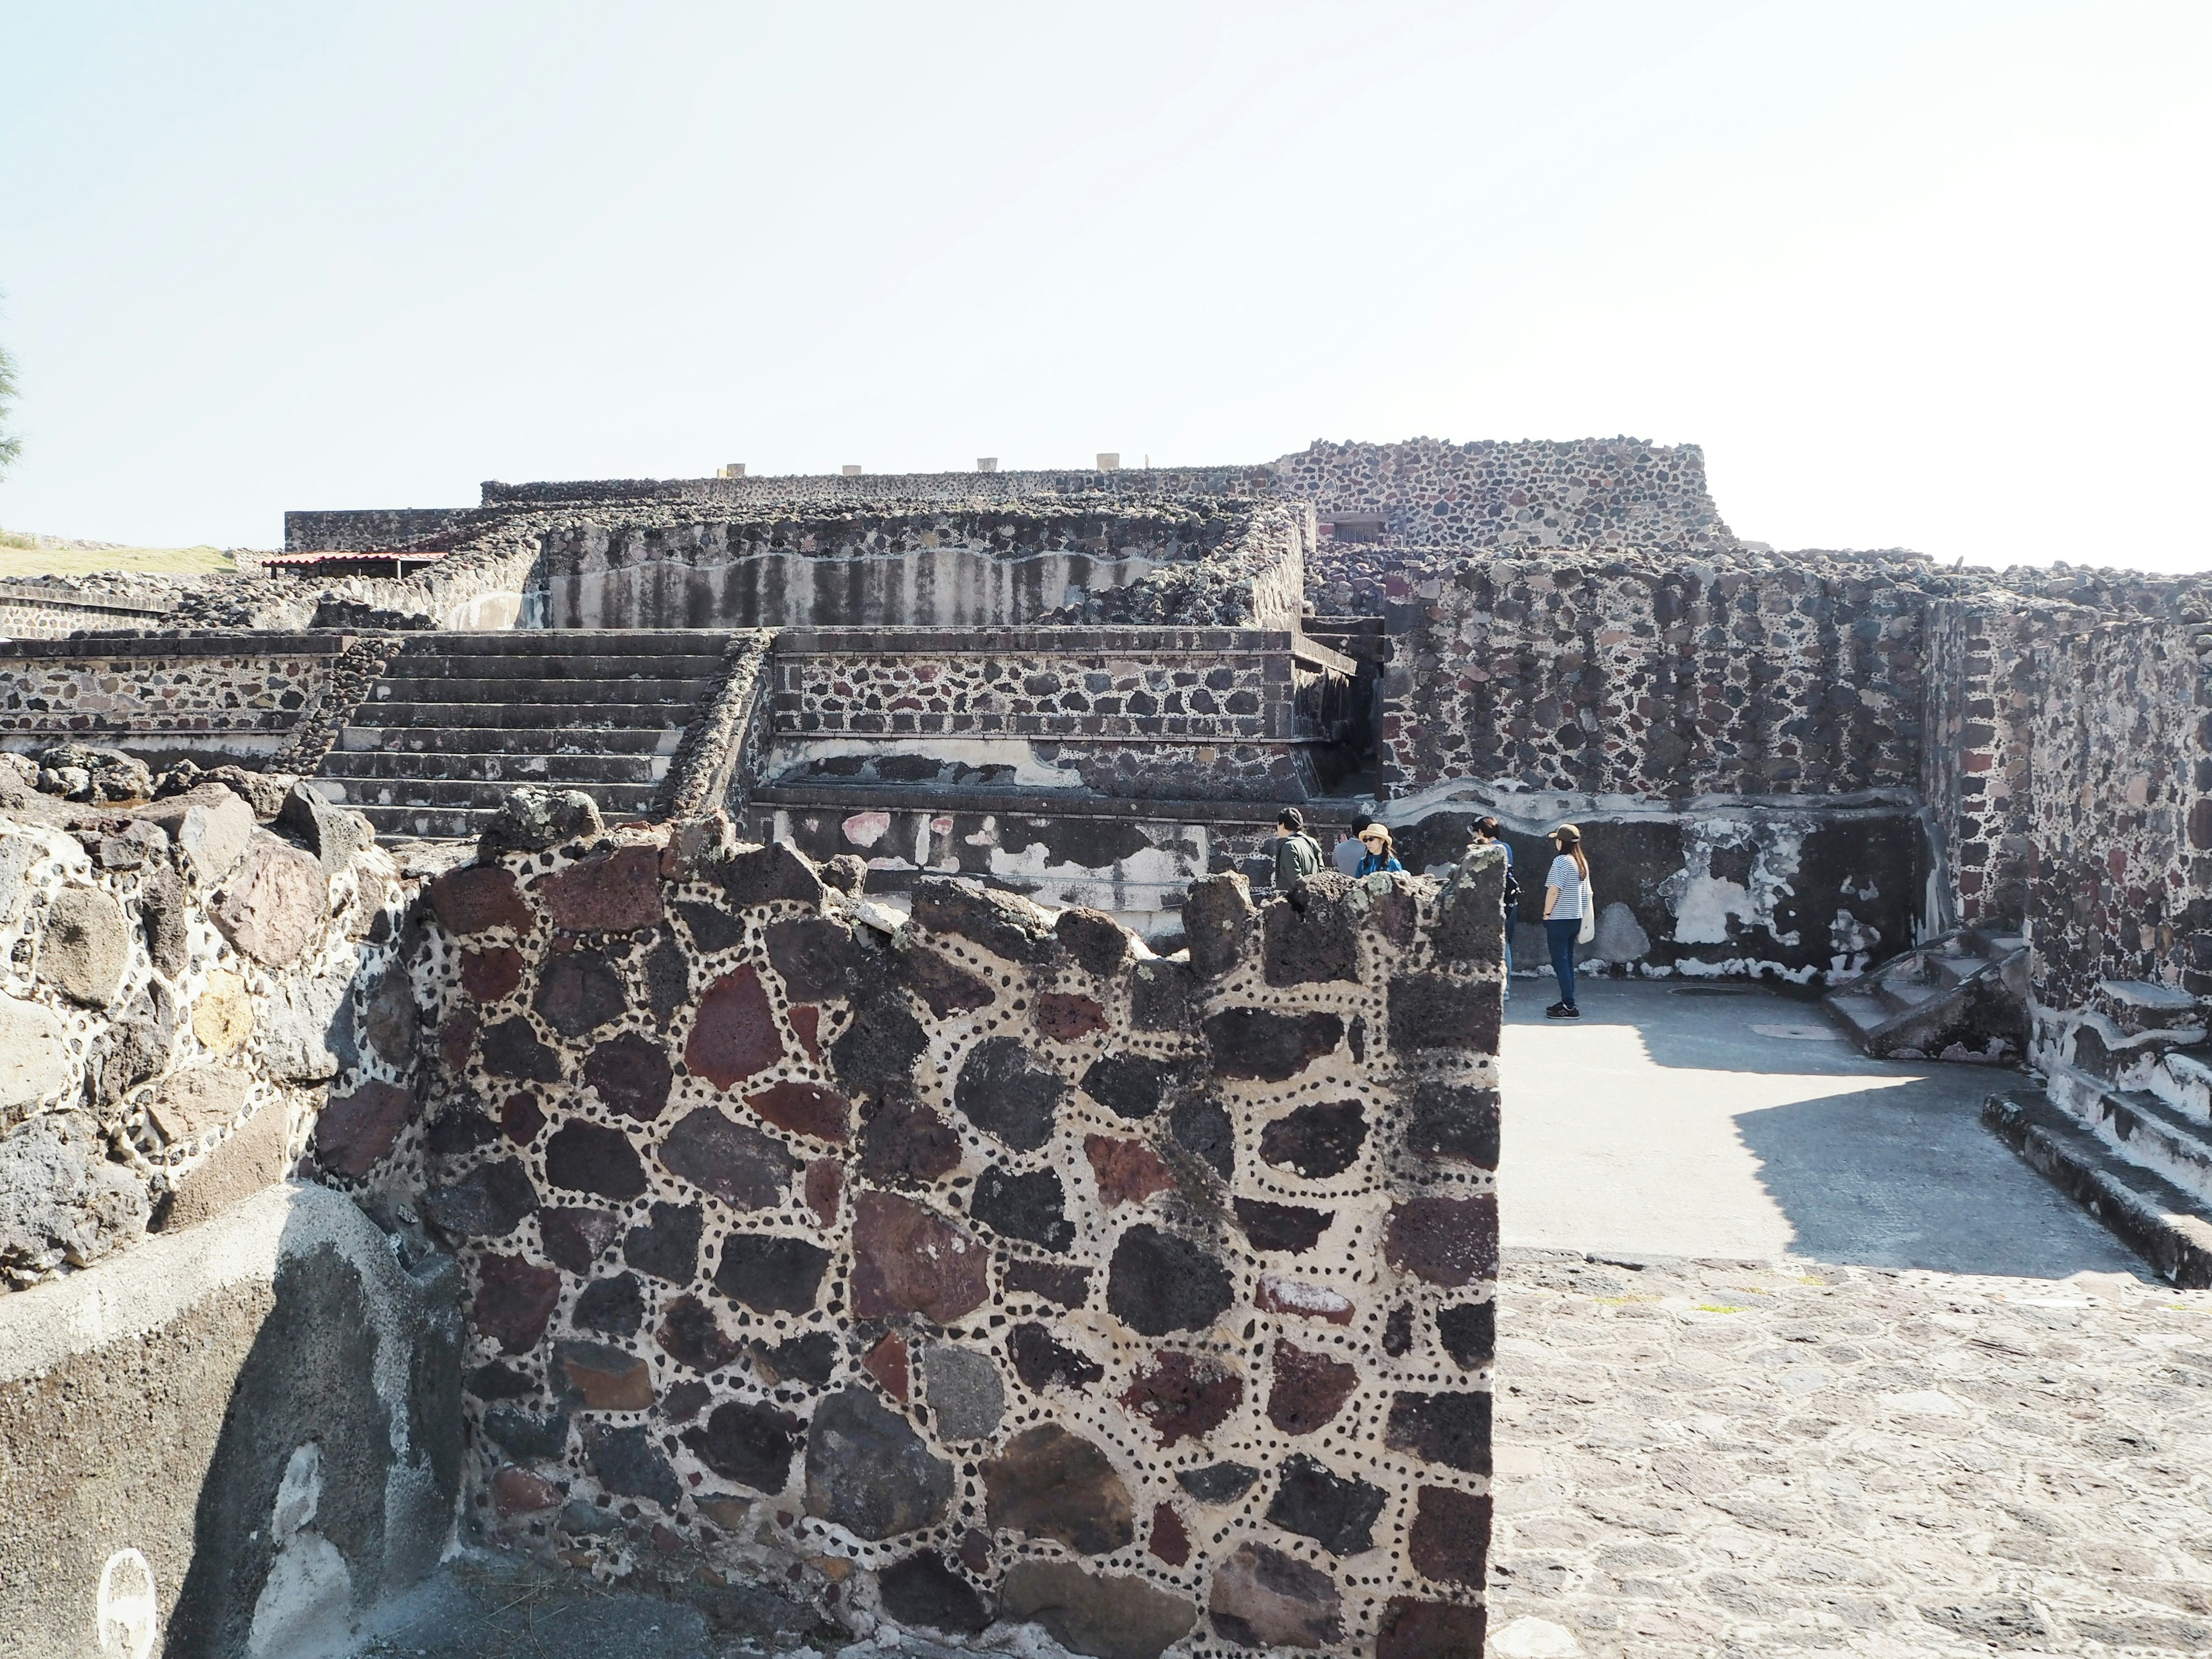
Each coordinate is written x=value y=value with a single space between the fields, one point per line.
x=1535 y=1638
x=128 y=1616
x=1704 y=906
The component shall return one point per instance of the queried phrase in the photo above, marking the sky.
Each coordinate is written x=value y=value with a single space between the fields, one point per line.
x=1927 y=275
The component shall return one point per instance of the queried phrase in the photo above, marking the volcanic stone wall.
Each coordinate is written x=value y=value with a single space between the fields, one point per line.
x=28 y=612
x=981 y=1269
x=1658 y=680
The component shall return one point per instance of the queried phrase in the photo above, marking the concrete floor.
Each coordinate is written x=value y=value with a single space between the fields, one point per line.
x=1720 y=1119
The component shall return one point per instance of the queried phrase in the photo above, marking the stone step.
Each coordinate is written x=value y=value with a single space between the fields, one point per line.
x=491 y=767
x=2146 y=1212
x=2143 y=1129
x=615 y=800
x=535 y=689
x=597 y=641
x=1903 y=994
x=508 y=665
x=562 y=739
x=1862 y=1015
x=426 y=823
x=607 y=716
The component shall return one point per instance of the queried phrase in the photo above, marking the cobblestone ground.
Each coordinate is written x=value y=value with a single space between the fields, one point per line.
x=1708 y=1459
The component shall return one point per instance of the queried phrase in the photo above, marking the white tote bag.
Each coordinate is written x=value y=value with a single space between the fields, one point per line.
x=1589 y=919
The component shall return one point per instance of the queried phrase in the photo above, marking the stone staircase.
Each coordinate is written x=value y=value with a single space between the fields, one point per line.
x=457 y=720
x=1960 y=996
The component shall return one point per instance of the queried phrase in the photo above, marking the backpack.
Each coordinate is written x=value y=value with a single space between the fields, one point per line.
x=1512 y=891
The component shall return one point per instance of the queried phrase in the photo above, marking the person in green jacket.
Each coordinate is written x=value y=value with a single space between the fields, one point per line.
x=1296 y=853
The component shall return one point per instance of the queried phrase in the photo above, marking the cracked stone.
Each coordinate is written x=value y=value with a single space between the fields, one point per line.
x=1336 y=1512
x=908 y=1259
x=1003 y=1093
x=1159 y=1283
x=1031 y=1207
x=868 y=1472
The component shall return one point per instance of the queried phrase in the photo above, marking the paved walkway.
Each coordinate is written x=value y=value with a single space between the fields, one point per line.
x=1946 y=1413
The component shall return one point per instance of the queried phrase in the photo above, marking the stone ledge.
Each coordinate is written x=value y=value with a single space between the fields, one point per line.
x=210 y=644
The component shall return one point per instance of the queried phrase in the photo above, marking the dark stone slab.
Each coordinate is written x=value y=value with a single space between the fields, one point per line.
x=1316 y=1501
x=817 y=958
x=876 y=1053
x=1216 y=919
x=734 y=1161
x=1041 y=1361
x=527 y=1437
x=1269 y=1045
x=1032 y=1207
x=667 y=1246
x=1049 y=1483
x=1159 y=1283
x=771 y=1275
x=357 y=1129
x=496 y=1381
x=811 y=1358
x=736 y=1033
x=1003 y=1092
x=1469 y=1333
x=1453 y=1121
x=1450 y=1429
x=1183 y=1396
x=631 y=1074
x=1312 y=937
x=1159 y=996
x=1128 y=1085
x=1445 y=1240
x=627 y=1461
x=947 y=988
x=1262 y=1598
x=1100 y=945
x=1217 y=1483
x=773 y=874
x=578 y=994
x=616 y=892
x=1069 y=1286
x=905 y=1144
x=1291 y=1229
x=1004 y=926
x=667 y=981
x=908 y=1259
x=511 y=1050
x=690 y=1334
x=491 y=974
x=1309 y=1389
x=1202 y=1126
x=1317 y=1141
x=712 y=928
x=514 y=1298
x=590 y=1157
x=1430 y=1630
x=750 y=1443
x=573 y=1238
x=1428 y=1011
x=925 y=1590
x=613 y=1307
x=1450 y=1540
x=869 y=1472
x=1106 y=1615
x=485 y=1203
x=478 y=898
x=601 y=1378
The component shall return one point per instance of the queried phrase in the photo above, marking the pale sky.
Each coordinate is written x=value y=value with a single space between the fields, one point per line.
x=1929 y=274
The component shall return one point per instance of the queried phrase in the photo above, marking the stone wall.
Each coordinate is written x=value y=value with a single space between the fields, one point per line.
x=1653 y=679
x=220 y=693
x=981 y=1269
x=32 y=613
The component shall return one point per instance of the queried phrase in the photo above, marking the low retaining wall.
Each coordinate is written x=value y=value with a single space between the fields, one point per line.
x=34 y=613
x=982 y=1271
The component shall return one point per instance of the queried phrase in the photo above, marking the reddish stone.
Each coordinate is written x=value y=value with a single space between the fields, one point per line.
x=1170 y=1540
x=488 y=975
x=608 y=893
x=632 y=1074
x=1051 y=1484
x=1292 y=1228
x=355 y=1130
x=1263 y=1598
x=580 y=992
x=908 y=1259
x=947 y=989
x=455 y=1038
x=804 y=1108
x=1184 y=1395
x=904 y=1143
x=1129 y=1171
x=1309 y=1389
x=519 y=1120
x=1450 y=1540
x=887 y=1363
x=1066 y=1017
x=478 y=898
x=517 y=1492
x=735 y=1034
x=573 y=1237
x=605 y=1379
x=1445 y=1241
x=1430 y=1630
x=806 y=1022
x=1289 y=1295
x=514 y=1298
x=825 y=1185
x=2200 y=822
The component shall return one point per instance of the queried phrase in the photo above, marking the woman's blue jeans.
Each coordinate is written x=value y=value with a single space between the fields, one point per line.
x=1561 y=936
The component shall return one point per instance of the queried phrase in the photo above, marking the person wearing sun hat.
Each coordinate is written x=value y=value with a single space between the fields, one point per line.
x=1380 y=855
x=1566 y=903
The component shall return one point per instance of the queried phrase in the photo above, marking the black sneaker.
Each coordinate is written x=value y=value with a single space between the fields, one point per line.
x=1557 y=1011
x=1570 y=1011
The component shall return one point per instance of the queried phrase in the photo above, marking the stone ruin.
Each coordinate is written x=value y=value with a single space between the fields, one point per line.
x=733 y=1034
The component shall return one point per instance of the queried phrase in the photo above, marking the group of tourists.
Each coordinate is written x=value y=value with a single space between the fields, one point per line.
x=1568 y=911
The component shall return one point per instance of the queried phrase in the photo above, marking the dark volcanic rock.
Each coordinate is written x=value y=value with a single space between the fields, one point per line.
x=491 y=974
x=712 y=928
x=1317 y=1503
x=514 y=1298
x=667 y=981
x=601 y=1378
x=691 y=1335
x=527 y=1437
x=478 y=898
x=1469 y=914
x=1446 y=1241
x=809 y=1358
x=589 y=1157
x=614 y=1306
x=628 y=1461
x=1450 y=1429
x=903 y=1143
x=735 y=1163
x=1469 y=1333
x=1065 y=1017
x=966 y=1396
x=1128 y=1085
x=357 y=1129
x=1217 y=1483
x=1318 y=1140
x=1049 y=1483
x=771 y=1275
x=631 y=1073
x=1106 y=1615
x=1040 y=1360
x=485 y=1203
x=1202 y=1127
x=1004 y=1093
x=1428 y=1011
x=735 y=1034
x=1449 y=1120
x=1313 y=937
x=1309 y=1389
x=1184 y=1396
x=1262 y=1598
x=494 y=1380
x=947 y=988
x=667 y=1246
x=1007 y=928
x=1159 y=996
x=511 y=1050
x=1159 y=1283
x=1068 y=1287
x=1398 y=1331
x=876 y=1052
x=749 y=1442
x=869 y=1472
x=772 y=874
x=1217 y=918
x=1291 y=1228
x=924 y=1589
x=1099 y=944
x=1450 y=1540
x=578 y=994
x=817 y=958
x=1031 y=1206
x=908 y=1259
x=1263 y=1043
x=1430 y=1630
x=573 y=1237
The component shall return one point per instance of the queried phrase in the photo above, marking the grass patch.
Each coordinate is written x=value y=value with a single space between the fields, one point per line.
x=1719 y=1307
x=1621 y=1301
x=17 y=562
